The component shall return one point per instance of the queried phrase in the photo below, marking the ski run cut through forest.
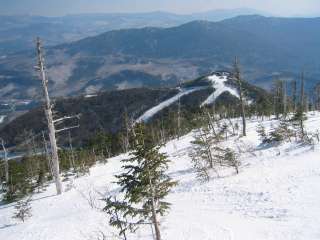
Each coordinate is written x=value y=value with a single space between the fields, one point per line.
x=275 y=196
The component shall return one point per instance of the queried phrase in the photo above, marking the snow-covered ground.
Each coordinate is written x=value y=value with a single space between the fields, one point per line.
x=275 y=196
x=219 y=84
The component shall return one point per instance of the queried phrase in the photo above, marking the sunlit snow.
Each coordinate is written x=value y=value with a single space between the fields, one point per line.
x=153 y=111
x=220 y=86
x=274 y=197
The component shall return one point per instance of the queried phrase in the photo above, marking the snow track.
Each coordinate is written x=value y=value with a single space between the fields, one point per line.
x=153 y=111
x=274 y=197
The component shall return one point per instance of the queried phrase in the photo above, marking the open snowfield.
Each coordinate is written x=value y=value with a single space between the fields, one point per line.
x=275 y=196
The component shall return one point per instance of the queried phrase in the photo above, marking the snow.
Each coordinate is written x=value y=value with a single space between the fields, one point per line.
x=274 y=197
x=90 y=95
x=2 y=117
x=219 y=84
x=153 y=111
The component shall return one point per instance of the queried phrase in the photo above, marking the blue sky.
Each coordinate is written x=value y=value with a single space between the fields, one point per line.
x=63 y=7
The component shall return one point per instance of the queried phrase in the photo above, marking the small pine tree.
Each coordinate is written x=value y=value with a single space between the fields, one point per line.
x=201 y=155
x=230 y=158
x=261 y=130
x=298 y=124
x=145 y=182
x=118 y=210
x=275 y=136
x=284 y=130
x=299 y=117
x=23 y=209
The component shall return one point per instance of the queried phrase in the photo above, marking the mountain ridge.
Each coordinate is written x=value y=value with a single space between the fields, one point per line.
x=163 y=56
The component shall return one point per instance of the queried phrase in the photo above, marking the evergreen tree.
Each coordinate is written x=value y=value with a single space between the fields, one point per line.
x=23 y=209
x=299 y=116
x=118 y=211
x=144 y=182
x=202 y=155
x=261 y=130
x=230 y=159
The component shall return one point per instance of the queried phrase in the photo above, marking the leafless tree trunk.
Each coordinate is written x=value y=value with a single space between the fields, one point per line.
x=302 y=103
x=47 y=153
x=237 y=77
x=294 y=95
x=48 y=113
x=284 y=98
x=71 y=157
x=179 y=114
x=6 y=163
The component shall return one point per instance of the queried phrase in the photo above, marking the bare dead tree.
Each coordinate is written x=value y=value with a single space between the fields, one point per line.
x=294 y=94
x=179 y=113
x=71 y=156
x=302 y=103
x=237 y=76
x=48 y=113
x=5 y=158
x=47 y=154
x=51 y=122
x=284 y=98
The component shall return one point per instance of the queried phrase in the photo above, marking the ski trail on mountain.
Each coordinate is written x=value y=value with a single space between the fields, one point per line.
x=219 y=85
x=153 y=111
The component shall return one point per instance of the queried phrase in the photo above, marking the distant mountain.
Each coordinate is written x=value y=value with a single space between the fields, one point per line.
x=18 y=32
x=268 y=48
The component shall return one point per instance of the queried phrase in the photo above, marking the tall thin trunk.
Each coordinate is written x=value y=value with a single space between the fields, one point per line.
x=6 y=163
x=302 y=103
x=179 y=118
x=238 y=79
x=72 y=157
x=294 y=95
x=284 y=100
x=45 y=145
x=179 y=114
x=48 y=113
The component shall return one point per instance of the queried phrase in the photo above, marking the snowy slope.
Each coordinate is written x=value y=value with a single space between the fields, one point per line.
x=219 y=84
x=274 y=197
x=153 y=111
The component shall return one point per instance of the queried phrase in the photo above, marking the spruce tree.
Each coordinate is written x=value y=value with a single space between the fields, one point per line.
x=144 y=182
x=230 y=159
x=23 y=209
x=118 y=211
x=300 y=116
x=261 y=130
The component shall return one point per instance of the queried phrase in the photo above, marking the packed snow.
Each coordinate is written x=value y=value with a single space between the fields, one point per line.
x=274 y=197
x=220 y=86
x=153 y=111
x=2 y=117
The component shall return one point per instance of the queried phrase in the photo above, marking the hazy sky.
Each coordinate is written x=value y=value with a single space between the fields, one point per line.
x=62 y=7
